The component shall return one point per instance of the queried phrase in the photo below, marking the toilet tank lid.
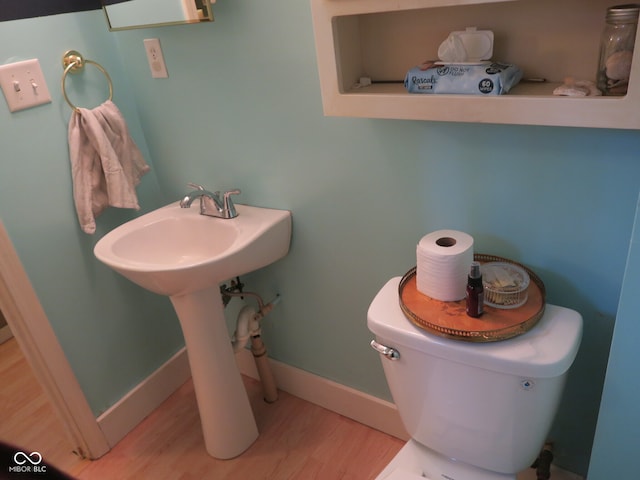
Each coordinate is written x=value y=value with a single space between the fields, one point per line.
x=547 y=350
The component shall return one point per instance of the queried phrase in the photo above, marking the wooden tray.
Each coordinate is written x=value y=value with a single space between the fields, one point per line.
x=449 y=319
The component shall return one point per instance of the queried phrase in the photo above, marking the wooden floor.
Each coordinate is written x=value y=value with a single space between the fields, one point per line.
x=298 y=440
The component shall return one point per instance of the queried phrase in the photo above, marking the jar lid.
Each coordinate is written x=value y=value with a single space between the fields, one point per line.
x=623 y=13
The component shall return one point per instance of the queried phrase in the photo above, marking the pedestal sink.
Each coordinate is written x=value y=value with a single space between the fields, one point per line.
x=178 y=252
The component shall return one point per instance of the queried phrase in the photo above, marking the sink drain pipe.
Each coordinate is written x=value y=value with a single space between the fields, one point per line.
x=248 y=329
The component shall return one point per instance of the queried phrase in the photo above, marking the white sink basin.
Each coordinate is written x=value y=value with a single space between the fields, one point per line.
x=173 y=250
x=178 y=252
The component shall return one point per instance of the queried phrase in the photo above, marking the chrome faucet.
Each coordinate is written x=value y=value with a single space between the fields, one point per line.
x=211 y=203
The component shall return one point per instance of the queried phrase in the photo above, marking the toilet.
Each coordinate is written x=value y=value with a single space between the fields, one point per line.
x=474 y=411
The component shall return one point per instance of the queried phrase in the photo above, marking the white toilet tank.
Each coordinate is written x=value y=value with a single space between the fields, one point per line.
x=489 y=405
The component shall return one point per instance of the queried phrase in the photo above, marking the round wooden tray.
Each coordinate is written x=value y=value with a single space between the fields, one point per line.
x=449 y=319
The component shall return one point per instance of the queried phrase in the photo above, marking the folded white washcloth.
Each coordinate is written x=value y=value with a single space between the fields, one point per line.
x=106 y=164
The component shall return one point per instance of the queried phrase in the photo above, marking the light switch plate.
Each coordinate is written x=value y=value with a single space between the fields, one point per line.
x=23 y=85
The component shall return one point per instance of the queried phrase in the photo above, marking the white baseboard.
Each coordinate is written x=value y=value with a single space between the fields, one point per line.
x=351 y=403
x=131 y=409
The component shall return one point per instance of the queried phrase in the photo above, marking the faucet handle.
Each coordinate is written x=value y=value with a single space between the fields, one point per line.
x=227 y=203
x=195 y=186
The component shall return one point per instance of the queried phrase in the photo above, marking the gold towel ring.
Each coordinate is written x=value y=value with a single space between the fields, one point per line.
x=73 y=62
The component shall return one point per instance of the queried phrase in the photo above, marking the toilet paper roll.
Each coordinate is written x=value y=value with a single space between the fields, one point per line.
x=443 y=259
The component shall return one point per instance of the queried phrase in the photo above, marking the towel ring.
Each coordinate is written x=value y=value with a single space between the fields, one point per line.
x=73 y=62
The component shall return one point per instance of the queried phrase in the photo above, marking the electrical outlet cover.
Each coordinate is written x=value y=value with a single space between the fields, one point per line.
x=23 y=85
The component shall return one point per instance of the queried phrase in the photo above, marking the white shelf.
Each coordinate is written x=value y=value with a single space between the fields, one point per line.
x=550 y=39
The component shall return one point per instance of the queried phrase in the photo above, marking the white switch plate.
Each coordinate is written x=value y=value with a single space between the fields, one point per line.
x=23 y=85
x=155 y=57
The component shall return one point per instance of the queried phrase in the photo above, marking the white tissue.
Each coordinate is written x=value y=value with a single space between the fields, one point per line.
x=443 y=259
x=452 y=50
x=467 y=46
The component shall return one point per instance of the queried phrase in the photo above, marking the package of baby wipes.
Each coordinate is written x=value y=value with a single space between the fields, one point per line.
x=482 y=78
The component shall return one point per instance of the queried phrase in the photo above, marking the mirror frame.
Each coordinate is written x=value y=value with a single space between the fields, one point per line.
x=208 y=17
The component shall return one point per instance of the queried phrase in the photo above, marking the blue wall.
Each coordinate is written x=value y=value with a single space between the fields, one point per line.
x=114 y=334
x=616 y=444
x=241 y=108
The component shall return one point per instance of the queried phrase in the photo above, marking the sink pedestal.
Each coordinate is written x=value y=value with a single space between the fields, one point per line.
x=228 y=423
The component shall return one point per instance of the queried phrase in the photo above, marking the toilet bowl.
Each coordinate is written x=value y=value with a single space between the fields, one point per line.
x=474 y=411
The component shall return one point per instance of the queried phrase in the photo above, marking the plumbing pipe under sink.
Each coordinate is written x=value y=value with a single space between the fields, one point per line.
x=248 y=328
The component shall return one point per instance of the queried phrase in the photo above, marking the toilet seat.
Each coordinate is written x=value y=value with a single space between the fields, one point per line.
x=402 y=474
x=414 y=461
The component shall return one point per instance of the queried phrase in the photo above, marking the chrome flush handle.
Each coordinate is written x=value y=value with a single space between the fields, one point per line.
x=388 y=352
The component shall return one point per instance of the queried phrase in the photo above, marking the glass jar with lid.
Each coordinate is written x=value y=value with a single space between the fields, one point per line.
x=616 y=49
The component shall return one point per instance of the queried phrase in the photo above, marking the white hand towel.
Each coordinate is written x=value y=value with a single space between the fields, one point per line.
x=106 y=164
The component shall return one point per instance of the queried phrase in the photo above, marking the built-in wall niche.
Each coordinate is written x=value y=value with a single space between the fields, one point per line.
x=548 y=39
